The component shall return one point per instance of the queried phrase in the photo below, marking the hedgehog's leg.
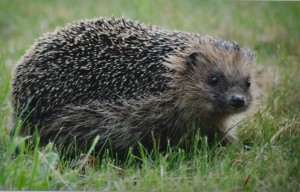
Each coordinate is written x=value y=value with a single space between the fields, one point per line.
x=227 y=136
x=217 y=133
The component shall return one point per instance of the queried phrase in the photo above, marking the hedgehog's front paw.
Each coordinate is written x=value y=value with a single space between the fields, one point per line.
x=230 y=138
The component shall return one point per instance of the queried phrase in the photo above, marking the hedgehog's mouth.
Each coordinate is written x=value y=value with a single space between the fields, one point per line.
x=234 y=110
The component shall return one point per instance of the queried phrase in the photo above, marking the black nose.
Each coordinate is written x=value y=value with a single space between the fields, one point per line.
x=237 y=101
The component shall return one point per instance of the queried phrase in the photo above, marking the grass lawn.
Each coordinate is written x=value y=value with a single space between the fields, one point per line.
x=271 y=128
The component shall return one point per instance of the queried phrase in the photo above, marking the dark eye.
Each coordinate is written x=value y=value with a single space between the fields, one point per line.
x=214 y=79
x=248 y=83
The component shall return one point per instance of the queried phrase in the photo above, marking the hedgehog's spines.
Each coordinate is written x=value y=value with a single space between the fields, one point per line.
x=124 y=80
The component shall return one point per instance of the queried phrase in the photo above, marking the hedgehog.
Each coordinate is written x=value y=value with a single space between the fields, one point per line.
x=130 y=84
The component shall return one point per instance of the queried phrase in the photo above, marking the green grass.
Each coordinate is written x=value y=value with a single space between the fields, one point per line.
x=273 y=131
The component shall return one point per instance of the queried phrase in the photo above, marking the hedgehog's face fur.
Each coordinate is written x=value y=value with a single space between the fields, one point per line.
x=218 y=80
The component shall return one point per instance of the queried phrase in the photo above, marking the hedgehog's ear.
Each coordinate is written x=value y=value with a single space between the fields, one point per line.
x=195 y=59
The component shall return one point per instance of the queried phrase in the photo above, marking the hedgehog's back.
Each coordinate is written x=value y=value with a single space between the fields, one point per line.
x=93 y=60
